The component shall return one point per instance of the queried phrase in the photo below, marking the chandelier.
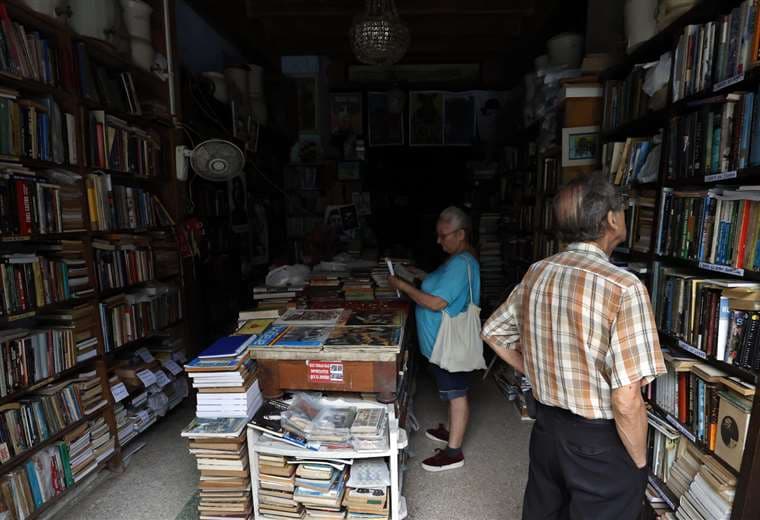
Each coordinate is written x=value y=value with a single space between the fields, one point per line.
x=378 y=36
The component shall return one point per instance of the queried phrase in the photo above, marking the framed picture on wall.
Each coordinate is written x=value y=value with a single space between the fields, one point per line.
x=386 y=127
x=459 y=119
x=426 y=123
x=580 y=146
x=346 y=113
x=349 y=170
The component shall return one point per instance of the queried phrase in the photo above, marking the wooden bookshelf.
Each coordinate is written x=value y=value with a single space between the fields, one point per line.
x=747 y=502
x=164 y=186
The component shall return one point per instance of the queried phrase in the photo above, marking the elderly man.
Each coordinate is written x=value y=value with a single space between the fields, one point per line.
x=583 y=332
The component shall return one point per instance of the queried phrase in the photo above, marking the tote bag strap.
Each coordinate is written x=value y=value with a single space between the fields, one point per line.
x=469 y=281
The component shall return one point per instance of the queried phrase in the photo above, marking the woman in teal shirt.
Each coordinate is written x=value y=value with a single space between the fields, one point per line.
x=447 y=288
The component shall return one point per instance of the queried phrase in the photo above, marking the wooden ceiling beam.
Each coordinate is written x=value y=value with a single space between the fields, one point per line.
x=348 y=9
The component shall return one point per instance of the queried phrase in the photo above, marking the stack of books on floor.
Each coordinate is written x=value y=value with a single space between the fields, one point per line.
x=90 y=392
x=81 y=455
x=226 y=379
x=320 y=488
x=277 y=483
x=220 y=448
x=100 y=435
x=367 y=496
x=704 y=488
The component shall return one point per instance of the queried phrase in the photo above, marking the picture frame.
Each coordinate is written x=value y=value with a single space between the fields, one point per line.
x=346 y=113
x=581 y=146
x=384 y=127
x=349 y=170
x=307 y=88
x=426 y=118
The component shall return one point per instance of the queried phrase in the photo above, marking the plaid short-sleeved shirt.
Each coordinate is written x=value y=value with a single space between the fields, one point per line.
x=584 y=326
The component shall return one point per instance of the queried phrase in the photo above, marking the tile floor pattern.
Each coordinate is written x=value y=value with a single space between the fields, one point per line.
x=160 y=482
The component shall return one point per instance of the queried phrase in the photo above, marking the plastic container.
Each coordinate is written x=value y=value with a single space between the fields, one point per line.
x=220 y=85
x=255 y=81
x=137 y=18
x=640 y=21
x=46 y=7
x=93 y=19
x=143 y=53
x=565 y=50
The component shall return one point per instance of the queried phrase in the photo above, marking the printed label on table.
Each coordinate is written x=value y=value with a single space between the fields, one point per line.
x=725 y=269
x=147 y=377
x=325 y=371
x=145 y=354
x=172 y=367
x=728 y=82
x=721 y=176
x=119 y=392
x=692 y=350
x=161 y=379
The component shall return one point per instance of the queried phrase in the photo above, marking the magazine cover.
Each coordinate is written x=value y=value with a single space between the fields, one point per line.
x=375 y=319
x=303 y=337
x=253 y=327
x=310 y=317
x=364 y=337
x=221 y=427
x=268 y=336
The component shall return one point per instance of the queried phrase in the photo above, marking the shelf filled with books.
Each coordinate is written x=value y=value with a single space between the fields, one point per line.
x=691 y=179
x=83 y=232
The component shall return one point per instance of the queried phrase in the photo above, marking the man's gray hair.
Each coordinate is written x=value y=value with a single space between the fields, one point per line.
x=581 y=207
x=458 y=218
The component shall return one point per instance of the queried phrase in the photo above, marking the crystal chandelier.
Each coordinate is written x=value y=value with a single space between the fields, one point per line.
x=378 y=36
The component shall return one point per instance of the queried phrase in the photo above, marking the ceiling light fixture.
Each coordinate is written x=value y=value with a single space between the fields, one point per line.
x=378 y=36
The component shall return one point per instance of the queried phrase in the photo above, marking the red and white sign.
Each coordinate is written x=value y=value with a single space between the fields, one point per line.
x=325 y=371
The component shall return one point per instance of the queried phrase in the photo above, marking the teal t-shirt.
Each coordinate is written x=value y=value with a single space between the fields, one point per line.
x=448 y=282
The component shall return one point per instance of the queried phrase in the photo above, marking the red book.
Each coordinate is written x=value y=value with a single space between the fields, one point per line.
x=24 y=207
x=742 y=246
x=20 y=288
x=101 y=146
x=683 y=397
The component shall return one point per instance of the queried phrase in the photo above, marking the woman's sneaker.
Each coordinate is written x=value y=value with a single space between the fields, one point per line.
x=442 y=461
x=439 y=434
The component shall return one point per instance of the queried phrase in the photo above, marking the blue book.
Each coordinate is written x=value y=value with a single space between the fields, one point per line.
x=228 y=346
x=34 y=484
x=269 y=335
x=716 y=149
x=749 y=101
x=700 y=410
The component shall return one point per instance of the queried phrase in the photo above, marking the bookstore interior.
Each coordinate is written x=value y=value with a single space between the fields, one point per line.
x=201 y=203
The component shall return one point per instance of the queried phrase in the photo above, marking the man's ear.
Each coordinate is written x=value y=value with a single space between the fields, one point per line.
x=612 y=221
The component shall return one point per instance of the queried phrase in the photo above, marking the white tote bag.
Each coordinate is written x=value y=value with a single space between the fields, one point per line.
x=458 y=347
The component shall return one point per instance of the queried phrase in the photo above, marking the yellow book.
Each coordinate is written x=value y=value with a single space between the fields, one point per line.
x=253 y=327
x=91 y=204
x=38 y=284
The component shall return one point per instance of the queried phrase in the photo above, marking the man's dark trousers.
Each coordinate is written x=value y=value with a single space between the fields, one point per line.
x=580 y=470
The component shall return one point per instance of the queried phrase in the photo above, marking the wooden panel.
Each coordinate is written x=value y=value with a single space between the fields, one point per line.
x=583 y=112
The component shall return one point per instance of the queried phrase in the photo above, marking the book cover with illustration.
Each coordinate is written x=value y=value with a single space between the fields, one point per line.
x=364 y=337
x=375 y=319
x=314 y=317
x=253 y=327
x=269 y=336
x=303 y=337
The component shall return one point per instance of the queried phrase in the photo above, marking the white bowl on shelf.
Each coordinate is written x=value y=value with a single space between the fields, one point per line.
x=137 y=18
x=565 y=50
x=46 y=7
x=220 y=85
x=143 y=53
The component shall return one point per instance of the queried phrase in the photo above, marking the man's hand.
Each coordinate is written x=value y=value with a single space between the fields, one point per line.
x=396 y=283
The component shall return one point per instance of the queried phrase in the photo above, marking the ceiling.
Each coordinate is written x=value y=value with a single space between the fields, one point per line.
x=442 y=31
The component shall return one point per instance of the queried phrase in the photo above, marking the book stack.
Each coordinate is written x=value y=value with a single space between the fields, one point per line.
x=28 y=204
x=324 y=288
x=123 y=261
x=274 y=298
x=710 y=494
x=710 y=55
x=37 y=417
x=277 y=483
x=102 y=443
x=320 y=488
x=70 y=194
x=116 y=207
x=90 y=392
x=633 y=161
x=125 y=426
x=30 y=356
x=83 y=323
x=713 y=316
x=138 y=314
x=717 y=226
x=36 y=128
x=220 y=448
x=358 y=289
x=44 y=476
x=116 y=90
x=81 y=456
x=639 y=216
x=368 y=487
x=493 y=282
x=719 y=137
x=27 y=54
x=226 y=379
x=117 y=147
